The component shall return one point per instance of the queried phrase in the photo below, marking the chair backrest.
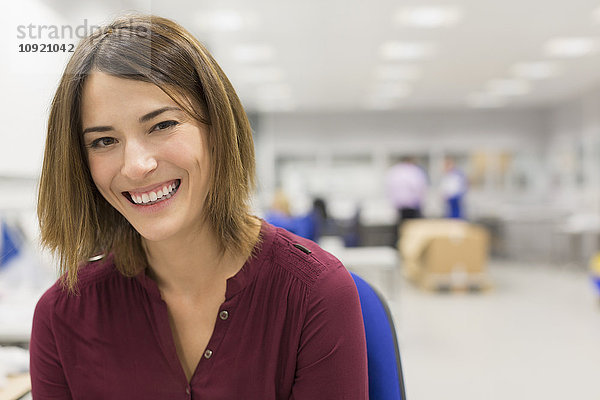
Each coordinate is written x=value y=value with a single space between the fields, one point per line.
x=385 y=370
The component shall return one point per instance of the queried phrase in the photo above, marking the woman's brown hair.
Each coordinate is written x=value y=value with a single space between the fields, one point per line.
x=76 y=221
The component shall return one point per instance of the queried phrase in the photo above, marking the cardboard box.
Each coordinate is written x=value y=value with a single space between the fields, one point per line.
x=444 y=253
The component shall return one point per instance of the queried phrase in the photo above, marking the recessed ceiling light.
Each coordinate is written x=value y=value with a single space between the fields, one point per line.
x=224 y=20
x=535 y=70
x=508 y=87
x=570 y=47
x=406 y=50
x=220 y=20
x=248 y=53
x=397 y=72
x=428 y=16
x=485 y=100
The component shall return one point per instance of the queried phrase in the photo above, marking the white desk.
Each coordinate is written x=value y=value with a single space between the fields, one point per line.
x=372 y=259
x=15 y=322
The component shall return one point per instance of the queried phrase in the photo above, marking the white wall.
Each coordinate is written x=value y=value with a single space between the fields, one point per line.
x=28 y=81
x=406 y=130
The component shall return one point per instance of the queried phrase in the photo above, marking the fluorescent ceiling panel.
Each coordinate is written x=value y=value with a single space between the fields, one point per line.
x=570 y=47
x=428 y=16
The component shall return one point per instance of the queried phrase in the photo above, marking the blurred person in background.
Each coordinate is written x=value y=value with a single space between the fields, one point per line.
x=169 y=287
x=454 y=187
x=315 y=223
x=320 y=218
x=406 y=187
x=279 y=214
x=309 y=225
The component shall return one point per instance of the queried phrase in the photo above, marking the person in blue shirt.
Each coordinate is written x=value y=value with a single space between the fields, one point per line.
x=454 y=188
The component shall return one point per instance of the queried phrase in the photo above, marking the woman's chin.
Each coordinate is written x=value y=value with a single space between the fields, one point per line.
x=155 y=235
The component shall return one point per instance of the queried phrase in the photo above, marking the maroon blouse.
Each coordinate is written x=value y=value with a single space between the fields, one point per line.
x=290 y=328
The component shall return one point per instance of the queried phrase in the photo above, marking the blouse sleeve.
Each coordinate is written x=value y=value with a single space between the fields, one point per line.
x=47 y=377
x=332 y=357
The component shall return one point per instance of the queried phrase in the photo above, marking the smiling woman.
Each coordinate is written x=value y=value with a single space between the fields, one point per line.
x=129 y=128
x=169 y=287
x=136 y=51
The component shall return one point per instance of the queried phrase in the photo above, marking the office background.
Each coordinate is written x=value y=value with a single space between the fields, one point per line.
x=337 y=92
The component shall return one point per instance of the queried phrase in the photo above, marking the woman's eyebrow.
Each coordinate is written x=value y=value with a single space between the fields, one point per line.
x=97 y=129
x=143 y=118
x=154 y=113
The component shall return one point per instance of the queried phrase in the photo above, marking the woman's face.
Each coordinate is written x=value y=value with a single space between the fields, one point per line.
x=147 y=157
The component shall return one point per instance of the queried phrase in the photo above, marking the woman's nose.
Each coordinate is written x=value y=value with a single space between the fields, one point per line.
x=138 y=161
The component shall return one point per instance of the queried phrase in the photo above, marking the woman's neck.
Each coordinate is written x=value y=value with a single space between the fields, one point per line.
x=190 y=264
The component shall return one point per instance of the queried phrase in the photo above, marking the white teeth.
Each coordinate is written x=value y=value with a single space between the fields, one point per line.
x=161 y=194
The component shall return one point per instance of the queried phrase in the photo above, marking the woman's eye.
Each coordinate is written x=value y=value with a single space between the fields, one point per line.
x=164 y=125
x=102 y=142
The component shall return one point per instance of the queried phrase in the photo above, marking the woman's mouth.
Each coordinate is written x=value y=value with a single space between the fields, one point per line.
x=155 y=196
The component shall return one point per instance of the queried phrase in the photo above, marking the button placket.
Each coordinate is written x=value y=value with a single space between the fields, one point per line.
x=222 y=325
x=223 y=315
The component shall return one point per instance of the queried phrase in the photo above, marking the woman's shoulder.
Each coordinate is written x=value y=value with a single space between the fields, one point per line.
x=308 y=262
x=323 y=286
x=94 y=271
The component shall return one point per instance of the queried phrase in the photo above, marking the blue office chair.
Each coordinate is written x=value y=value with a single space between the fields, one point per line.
x=385 y=370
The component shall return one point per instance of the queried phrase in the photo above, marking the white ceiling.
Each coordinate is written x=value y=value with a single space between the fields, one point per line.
x=328 y=51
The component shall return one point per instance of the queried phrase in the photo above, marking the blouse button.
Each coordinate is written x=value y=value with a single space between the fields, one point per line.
x=223 y=315
x=208 y=354
x=187 y=391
